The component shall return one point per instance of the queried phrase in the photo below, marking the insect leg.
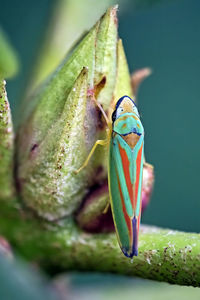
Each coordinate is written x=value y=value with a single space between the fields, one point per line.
x=98 y=142
x=103 y=112
x=106 y=208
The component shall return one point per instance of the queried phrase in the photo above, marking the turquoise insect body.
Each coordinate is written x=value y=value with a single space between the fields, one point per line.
x=125 y=173
x=125 y=168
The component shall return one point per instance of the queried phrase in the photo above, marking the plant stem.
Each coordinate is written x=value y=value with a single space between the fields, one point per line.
x=164 y=255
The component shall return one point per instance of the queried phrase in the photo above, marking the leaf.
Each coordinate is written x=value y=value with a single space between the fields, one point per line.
x=9 y=64
x=106 y=56
x=6 y=146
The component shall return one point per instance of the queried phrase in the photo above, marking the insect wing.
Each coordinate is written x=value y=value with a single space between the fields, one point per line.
x=125 y=184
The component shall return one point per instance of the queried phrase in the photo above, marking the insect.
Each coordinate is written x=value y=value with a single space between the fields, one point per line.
x=125 y=139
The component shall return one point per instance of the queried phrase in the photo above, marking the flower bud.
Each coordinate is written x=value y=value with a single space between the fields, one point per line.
x=58 y=132
x=62 y=123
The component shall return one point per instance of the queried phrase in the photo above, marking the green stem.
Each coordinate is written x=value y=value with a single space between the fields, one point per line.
x=164 y=255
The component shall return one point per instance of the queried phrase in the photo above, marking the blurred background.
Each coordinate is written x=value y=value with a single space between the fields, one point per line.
x=162 y=35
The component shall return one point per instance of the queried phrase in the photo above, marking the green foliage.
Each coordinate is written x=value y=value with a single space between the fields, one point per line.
x=57 y=135
x=6 y=146
x=8 y=58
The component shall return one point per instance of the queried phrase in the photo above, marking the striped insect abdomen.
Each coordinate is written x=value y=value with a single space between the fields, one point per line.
x=125 y=180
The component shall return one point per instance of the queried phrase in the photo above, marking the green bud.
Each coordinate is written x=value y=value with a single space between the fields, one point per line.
x=62 y=125
x=94 y=214
x=6 y=145
x=48 y=182
x=123 y=83
x=46 y=106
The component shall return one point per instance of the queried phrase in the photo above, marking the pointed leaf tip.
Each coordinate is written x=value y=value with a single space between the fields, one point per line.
x=114 y=11
x=106 y=56
x=6 y=145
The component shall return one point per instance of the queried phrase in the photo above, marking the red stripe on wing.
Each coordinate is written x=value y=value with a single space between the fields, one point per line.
x=126 y=165
x=126 y=216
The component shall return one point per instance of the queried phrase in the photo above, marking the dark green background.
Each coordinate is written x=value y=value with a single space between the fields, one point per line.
x=165 y=36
